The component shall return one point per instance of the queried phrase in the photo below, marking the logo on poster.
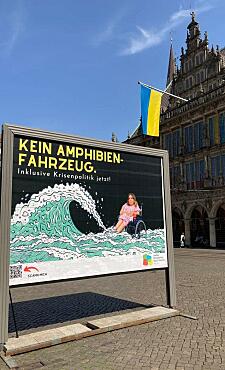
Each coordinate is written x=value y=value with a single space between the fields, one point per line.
x=147 y=260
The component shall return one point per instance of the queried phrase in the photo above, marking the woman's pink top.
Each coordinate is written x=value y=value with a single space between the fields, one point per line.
x=127 y=213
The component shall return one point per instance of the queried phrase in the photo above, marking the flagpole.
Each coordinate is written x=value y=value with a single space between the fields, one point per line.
x=163 y=92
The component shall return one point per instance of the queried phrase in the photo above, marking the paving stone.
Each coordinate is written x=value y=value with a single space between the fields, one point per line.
x=177 y=342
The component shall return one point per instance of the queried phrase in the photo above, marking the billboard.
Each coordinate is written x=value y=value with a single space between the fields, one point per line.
x=83 y=210
x=73 y=207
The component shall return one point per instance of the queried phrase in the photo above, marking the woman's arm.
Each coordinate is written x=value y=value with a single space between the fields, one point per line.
x=122 y=210
x=137 y=209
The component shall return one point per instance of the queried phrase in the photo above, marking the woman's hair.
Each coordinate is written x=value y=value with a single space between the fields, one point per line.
x=134 y=198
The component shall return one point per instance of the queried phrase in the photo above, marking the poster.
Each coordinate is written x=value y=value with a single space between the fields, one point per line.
x=66 y=202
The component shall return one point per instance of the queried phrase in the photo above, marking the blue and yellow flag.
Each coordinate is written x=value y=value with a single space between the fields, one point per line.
x=150 y=110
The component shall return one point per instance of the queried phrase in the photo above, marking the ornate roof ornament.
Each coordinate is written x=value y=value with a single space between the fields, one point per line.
x=192 y=16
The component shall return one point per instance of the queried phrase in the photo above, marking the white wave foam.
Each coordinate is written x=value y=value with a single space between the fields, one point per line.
x=63 y=254
x=50 y=194
x=105 y=244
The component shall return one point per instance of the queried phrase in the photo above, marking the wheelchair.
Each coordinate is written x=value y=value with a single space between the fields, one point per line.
x=136 y=226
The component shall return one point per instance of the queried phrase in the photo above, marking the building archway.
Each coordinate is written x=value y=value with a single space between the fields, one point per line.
x=178 y=226
x=220 y=226
x=199 y=227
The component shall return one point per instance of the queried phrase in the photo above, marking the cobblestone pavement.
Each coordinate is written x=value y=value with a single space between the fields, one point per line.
x=175 y=343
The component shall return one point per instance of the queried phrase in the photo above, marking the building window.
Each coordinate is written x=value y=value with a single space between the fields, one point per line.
x=188 y=137
x=218 y=166
x=199 y=173
x=190 y=175
x=169 y=144
x=198 y=135
x=222 y=127
x=172 y=143
x=197 y=60
x=176 y=143
x=223 y=165
x=215 y=167
x=213 y=130
x=175 y=177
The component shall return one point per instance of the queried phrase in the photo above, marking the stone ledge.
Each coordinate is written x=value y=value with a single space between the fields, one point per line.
x=132 y=318
x=51 y=337
x=46 y=338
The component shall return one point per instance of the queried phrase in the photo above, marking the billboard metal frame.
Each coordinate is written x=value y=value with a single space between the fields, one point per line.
x=8 y=133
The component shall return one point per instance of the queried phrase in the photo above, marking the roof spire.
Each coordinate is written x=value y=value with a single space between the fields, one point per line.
x=172 y=64
x=171 y=38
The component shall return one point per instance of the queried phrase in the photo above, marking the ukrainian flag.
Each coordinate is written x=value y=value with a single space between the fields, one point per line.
x=150 y=110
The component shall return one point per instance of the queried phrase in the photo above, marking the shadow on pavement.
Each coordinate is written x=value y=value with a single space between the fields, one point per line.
x=53 y=310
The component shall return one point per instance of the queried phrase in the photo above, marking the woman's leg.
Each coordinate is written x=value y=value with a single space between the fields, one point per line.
x=121 y=227
x=119 y=223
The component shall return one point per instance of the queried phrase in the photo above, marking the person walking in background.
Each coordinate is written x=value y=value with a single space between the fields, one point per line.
x=182 y=240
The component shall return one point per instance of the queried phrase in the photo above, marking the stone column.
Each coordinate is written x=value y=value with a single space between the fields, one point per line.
x=187 y=232
x=212 y=232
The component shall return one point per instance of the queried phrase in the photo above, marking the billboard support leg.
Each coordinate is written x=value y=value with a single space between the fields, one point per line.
x=13 y=313
x=167 y=280
x=170 y=270
x=5 y=221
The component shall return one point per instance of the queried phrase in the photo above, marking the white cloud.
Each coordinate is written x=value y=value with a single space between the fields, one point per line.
x=184 y=13
x=108 y=33
x=14 y=24
x=179 y=15
x=145 y=39
x=105 y=35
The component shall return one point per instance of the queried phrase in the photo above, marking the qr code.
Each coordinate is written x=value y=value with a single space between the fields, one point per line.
x=15 y=271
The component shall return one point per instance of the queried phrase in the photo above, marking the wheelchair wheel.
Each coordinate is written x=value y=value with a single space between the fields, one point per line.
x=140 y=226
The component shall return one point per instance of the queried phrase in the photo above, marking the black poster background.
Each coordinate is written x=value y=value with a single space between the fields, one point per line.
x=139 y=174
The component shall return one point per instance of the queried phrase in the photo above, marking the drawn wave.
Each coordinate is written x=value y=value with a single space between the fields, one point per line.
x=42 y=230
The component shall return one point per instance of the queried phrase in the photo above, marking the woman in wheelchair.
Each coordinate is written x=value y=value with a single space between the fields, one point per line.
x=129 y=211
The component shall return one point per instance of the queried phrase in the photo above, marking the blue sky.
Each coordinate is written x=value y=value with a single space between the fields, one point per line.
x=73 y=65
